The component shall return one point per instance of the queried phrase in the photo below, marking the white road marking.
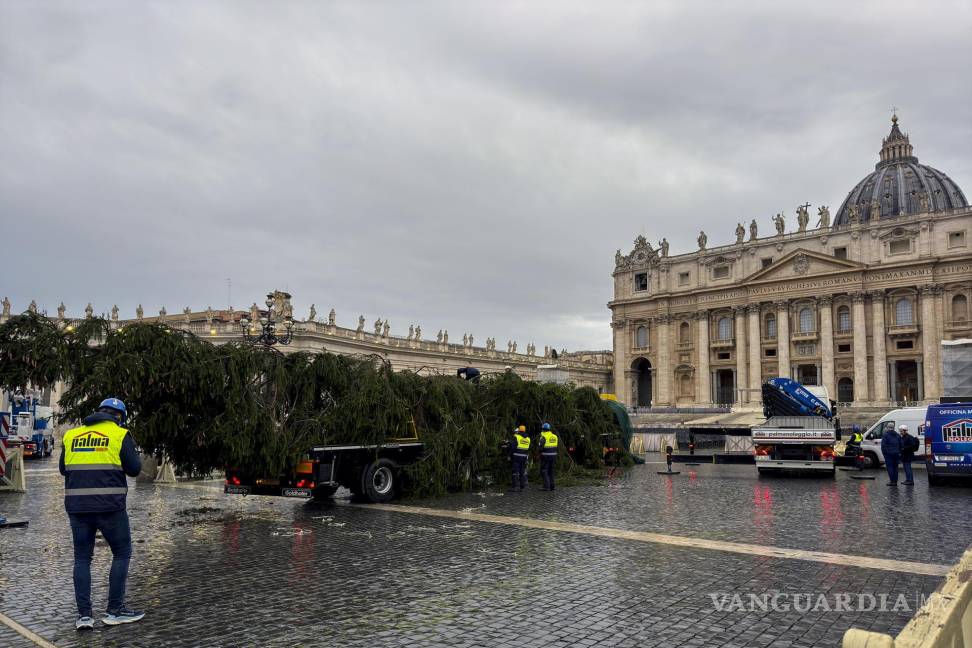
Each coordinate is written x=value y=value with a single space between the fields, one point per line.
x=25 y=633
x=927 y=569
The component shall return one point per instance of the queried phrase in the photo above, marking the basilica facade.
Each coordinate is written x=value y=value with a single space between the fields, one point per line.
x=859 y=305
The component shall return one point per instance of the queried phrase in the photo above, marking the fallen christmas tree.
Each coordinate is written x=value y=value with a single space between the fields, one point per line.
x=208 y=406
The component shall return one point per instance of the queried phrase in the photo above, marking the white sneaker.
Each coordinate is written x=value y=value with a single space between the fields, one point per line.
x=123 y=615
x=84 y=623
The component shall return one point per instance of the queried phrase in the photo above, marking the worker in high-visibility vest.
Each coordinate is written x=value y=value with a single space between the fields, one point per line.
x=519 y=451
x=548 y=456
x=94 y=461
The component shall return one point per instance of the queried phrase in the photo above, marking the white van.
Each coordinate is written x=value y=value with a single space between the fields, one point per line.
x=913 y=417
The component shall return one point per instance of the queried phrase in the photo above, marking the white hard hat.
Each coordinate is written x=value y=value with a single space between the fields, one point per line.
x=903 y=428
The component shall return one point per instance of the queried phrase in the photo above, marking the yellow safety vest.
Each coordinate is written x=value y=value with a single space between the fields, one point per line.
x=522 y=444
x=94 y=479
x=549 y=443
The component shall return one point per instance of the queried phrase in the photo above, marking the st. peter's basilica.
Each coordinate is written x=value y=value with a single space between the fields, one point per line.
x=858 y=304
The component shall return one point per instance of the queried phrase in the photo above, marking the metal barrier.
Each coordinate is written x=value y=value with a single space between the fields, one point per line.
x=944 y=621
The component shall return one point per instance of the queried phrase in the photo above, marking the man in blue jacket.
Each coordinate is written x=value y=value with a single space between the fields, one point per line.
x=891 y=449
x=94 y=461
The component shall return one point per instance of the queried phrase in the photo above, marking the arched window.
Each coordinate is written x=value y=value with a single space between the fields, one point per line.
x=960 y=308
x=843 y=319
x=641 y=337
x=771 y=325
x=684 y=333
x=725 y=328
x=806 y=320
x=903 y=312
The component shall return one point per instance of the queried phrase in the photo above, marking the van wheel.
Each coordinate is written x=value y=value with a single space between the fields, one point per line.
x=870 y=460
x=379 y=481
x=935 y=480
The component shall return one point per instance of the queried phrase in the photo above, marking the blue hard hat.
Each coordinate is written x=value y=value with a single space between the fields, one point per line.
x=856 y=428
x=115 y=404
x=546 y=426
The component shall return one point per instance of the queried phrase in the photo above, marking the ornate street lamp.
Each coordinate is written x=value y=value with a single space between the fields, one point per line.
x=269 y=321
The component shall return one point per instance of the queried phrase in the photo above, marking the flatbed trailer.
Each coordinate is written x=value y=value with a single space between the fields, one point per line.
x=372 y=472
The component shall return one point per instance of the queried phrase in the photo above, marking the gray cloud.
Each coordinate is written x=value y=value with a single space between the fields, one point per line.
x=469 y=166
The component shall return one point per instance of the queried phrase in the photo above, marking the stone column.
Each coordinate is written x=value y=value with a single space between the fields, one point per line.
x=860 y=349
x=739 y=328
x=879 y=338
x=921 y=383
x=929 y=343
x=664 y=374
x=783 y=338
x=755 y=362
x=827 y=346
x=704 y=388
x=940 y=315
x=622 y=382
x=892 y=391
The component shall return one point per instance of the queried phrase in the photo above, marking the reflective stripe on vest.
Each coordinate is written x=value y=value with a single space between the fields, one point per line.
x=549 y=443
x=119 y=490
x=73 y=467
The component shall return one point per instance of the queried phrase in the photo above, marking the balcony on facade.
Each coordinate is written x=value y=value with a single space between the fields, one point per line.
x=803 y=336
x=727 y=343
x=958 y=325
x=685 y=346
x=896 y=330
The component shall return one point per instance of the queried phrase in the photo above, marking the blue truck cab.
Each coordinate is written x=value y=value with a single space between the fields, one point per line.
x=948 y=441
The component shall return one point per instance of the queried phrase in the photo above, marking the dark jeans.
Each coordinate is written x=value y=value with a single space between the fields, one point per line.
x=906 y=462
x=891 y=463
x=114 y=528
x=519 y=472
x=547 y=470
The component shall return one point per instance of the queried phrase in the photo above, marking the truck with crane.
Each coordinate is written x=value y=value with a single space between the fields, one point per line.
x=800 y=431
x=28 y=424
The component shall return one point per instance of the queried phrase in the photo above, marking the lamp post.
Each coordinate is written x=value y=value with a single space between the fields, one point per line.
x=269 y=321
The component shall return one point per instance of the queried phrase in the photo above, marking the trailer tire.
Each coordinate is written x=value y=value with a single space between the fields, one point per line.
x=935 y=480
x=379 y=481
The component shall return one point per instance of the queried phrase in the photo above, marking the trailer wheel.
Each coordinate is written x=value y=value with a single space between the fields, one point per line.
x=935 y=480
x=379 y=481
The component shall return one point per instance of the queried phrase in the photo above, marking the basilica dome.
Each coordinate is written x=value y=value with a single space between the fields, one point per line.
x=899 y=186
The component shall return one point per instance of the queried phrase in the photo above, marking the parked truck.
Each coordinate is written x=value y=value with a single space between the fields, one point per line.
x=800 y=430
x=27 y=424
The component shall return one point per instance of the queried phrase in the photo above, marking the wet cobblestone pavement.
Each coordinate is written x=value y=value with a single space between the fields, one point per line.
x=215 y=570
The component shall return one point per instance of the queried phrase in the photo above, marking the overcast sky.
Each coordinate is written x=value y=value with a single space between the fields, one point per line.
x=462 y=165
